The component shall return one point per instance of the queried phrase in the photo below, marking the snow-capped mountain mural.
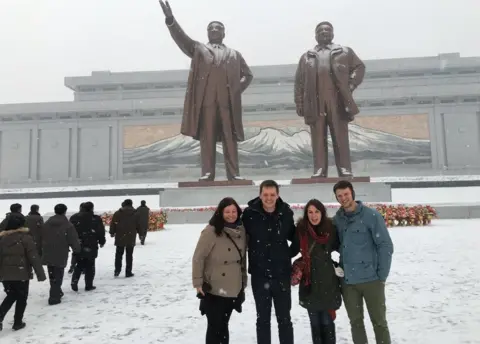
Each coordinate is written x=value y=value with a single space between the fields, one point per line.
x=288 y=149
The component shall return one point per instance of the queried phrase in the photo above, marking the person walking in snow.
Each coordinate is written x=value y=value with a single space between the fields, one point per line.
x=57 y=236
x=219 y=269
x=15 y=208
x=269 y=224
x=366 y=251
x=91 y=232
x=18 y=255
x=34 y=222
x=319 y=285
x=143 y=213
x=73 y=259
x=124 y=227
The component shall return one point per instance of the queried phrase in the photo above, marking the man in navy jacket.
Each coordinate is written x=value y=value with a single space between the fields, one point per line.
x=269 y=223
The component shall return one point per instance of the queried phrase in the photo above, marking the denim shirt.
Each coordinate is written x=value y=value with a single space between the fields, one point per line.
x=366 y=248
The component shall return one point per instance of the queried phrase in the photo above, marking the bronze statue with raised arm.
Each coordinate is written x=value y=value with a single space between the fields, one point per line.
x=213 y=102
x=325 y=79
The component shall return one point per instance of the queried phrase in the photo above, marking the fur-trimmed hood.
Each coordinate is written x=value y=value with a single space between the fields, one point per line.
x=12 y=231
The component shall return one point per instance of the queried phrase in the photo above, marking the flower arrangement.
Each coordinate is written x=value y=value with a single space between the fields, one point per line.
x=157 y=220
x=401 y=215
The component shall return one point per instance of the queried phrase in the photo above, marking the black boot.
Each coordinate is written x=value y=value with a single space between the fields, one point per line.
x=329 y=334
x=18 y=326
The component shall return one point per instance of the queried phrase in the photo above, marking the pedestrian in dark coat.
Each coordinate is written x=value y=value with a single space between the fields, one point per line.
x=73 y=259
x=58 y=235
x=269 y=224
x=124 y=227
x=15 y=208
x=18 y=255
x=34 y=222
x=91 y=233
x=143 y=213
x=319 y=289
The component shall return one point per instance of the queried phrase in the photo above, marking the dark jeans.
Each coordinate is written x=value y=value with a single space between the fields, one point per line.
x=128 y=258
x=55 y=275
x=323 y=327
x=87 y=266
x=265 y=292
x=218 y=311
x=17 y=292
x=374 y=295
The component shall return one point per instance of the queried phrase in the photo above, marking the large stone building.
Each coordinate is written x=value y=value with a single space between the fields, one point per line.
x=418 y=116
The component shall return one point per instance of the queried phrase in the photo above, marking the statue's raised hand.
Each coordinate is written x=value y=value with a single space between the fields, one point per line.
x=167 y=10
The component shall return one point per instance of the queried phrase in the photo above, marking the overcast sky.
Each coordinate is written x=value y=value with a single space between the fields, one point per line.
x=42 y=41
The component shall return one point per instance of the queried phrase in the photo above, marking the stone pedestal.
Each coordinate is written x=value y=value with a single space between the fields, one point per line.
x=198 y=196
x=320 y=180
x=207 y=183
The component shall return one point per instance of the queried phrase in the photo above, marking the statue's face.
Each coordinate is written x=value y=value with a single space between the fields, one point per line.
x=324 y=34
x=216 y=33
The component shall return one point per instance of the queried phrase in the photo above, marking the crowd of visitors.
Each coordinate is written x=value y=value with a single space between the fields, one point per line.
x=27 y=243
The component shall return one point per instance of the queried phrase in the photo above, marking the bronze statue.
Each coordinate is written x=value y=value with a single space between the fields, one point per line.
x=213 y=102
x=325 y=79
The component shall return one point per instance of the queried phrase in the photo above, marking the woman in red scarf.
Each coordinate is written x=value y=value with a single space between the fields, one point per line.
x=319 y=289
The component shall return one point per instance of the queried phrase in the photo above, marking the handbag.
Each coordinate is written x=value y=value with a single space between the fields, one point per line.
x=298 y=268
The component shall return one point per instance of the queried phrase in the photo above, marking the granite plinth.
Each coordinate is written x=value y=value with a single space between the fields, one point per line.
x=293 y=193
x=323 y=180
x=215 y=183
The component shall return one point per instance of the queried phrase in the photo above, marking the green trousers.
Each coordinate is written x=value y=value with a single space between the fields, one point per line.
x=374 y=295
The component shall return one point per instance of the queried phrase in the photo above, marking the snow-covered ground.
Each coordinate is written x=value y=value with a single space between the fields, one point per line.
x=433 y=295
x=468 y=195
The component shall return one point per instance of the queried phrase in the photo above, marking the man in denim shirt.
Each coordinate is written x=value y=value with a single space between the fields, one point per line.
x=366 y=251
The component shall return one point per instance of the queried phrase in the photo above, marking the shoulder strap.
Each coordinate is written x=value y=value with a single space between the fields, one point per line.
x=239 y=253
x=234 y=243
x=312 y=247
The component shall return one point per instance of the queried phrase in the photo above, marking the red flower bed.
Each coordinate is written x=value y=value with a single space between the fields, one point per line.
x=395 y=215
x=156 y=221
x=401 y=215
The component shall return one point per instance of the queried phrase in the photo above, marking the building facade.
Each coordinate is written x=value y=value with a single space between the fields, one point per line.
x=419 y=116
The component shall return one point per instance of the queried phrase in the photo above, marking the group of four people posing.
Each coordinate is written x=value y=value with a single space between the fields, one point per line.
x=262 y=232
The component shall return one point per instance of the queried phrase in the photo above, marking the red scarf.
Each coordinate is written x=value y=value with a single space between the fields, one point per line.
x=322 y=238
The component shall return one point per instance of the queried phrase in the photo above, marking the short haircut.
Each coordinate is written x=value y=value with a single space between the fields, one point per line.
x=343 y=184
x=215 y=22
x=323 y=23
x=60 y=209
x=269 y=183
x=87 y=206
x=16 y=208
